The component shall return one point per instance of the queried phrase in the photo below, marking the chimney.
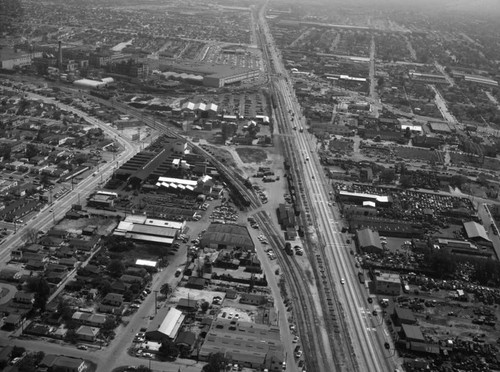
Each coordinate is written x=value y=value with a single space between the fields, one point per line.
x=59 y=57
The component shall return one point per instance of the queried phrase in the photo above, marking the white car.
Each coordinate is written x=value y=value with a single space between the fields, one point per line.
x=342 y=281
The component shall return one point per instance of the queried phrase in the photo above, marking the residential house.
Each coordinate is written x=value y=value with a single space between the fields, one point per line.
x=92 y=320
x=63 y=363
x=187 y=305
x=58 y=233
x=196 y=283
x=68 y=262
x=24 y=297
x=113 y=299
x=253 y=299
x=131 y=279
x=87 y=333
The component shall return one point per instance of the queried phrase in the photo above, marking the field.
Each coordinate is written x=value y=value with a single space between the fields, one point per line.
x=251 y=155
x=419 y=154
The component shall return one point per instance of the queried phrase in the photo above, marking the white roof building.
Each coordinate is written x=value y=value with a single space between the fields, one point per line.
x=165 y=325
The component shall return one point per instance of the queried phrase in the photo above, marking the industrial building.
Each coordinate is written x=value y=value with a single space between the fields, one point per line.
x=359 y=198
x=388 y=284
x=93 y=84
x=286 y=216
x=11 y=59
x=165 y=325
x=220 y=236
x=428 y=78
x=476 y=233
x=368 y=241
x=214 y=75
x=248 y=344
x=142 y=228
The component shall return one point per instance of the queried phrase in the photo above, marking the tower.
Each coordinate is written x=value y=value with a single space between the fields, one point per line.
x=59 y=56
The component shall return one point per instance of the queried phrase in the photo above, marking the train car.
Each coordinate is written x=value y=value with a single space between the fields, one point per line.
x=274 y=100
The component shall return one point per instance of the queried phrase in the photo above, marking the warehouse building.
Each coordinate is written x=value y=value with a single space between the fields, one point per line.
x=220 y=236
x=165 y=325
x=286 y=216
x=369 y=241
x=388 y=284
x=359 y=198
x=247 y=344
x=151 y=230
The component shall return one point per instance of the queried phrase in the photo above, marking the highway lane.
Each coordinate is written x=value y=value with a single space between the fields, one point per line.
x=353 y=295
x=53 y=213
x=367 y=345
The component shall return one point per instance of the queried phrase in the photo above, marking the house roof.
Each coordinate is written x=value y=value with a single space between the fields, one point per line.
x=87 y=331
x=187 y=338
x=70 y=363
x=113 y=297
x=187 y=302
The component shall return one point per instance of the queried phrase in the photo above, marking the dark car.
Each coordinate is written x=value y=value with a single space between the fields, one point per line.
x=370 y=300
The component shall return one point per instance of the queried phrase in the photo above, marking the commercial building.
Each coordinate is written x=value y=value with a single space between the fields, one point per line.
x=388 y=284
x=368 y=241
x=142 y=228
x=166 y=324
x=247 y=344
x=220 y=236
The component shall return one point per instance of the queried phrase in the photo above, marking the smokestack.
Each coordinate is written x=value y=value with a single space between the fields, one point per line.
x=59 y=56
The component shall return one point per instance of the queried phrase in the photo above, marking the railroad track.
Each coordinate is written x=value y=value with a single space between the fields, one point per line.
x=296 y=280
x=333 y=317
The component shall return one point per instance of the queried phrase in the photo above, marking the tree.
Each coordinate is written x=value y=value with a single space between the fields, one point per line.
x=204 y=306
x=166 y=289
x=31 y=150
x=216 y=363
x=17 y=351
x=41 y=289
x=64 y=309
x=168 y=350
x=387 y=176
x=31 y=235
x=405 y=181
x=116 y=268
x=104 y=287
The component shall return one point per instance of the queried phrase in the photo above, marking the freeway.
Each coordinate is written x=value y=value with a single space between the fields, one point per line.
x=50 y=214
x=363 y=334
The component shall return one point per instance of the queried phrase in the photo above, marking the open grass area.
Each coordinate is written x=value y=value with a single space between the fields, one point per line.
x=251 y=155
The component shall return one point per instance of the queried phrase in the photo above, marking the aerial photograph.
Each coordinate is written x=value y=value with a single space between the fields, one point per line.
x=249 y=185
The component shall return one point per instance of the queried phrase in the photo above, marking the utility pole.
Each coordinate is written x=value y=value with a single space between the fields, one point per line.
x=156 y=301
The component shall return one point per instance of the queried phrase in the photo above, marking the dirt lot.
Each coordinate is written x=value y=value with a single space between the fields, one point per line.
x=104 y=225
x=251 y=154
x=441 y=317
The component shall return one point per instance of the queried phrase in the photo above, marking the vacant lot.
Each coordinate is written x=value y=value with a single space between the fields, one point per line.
x=251 y=155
